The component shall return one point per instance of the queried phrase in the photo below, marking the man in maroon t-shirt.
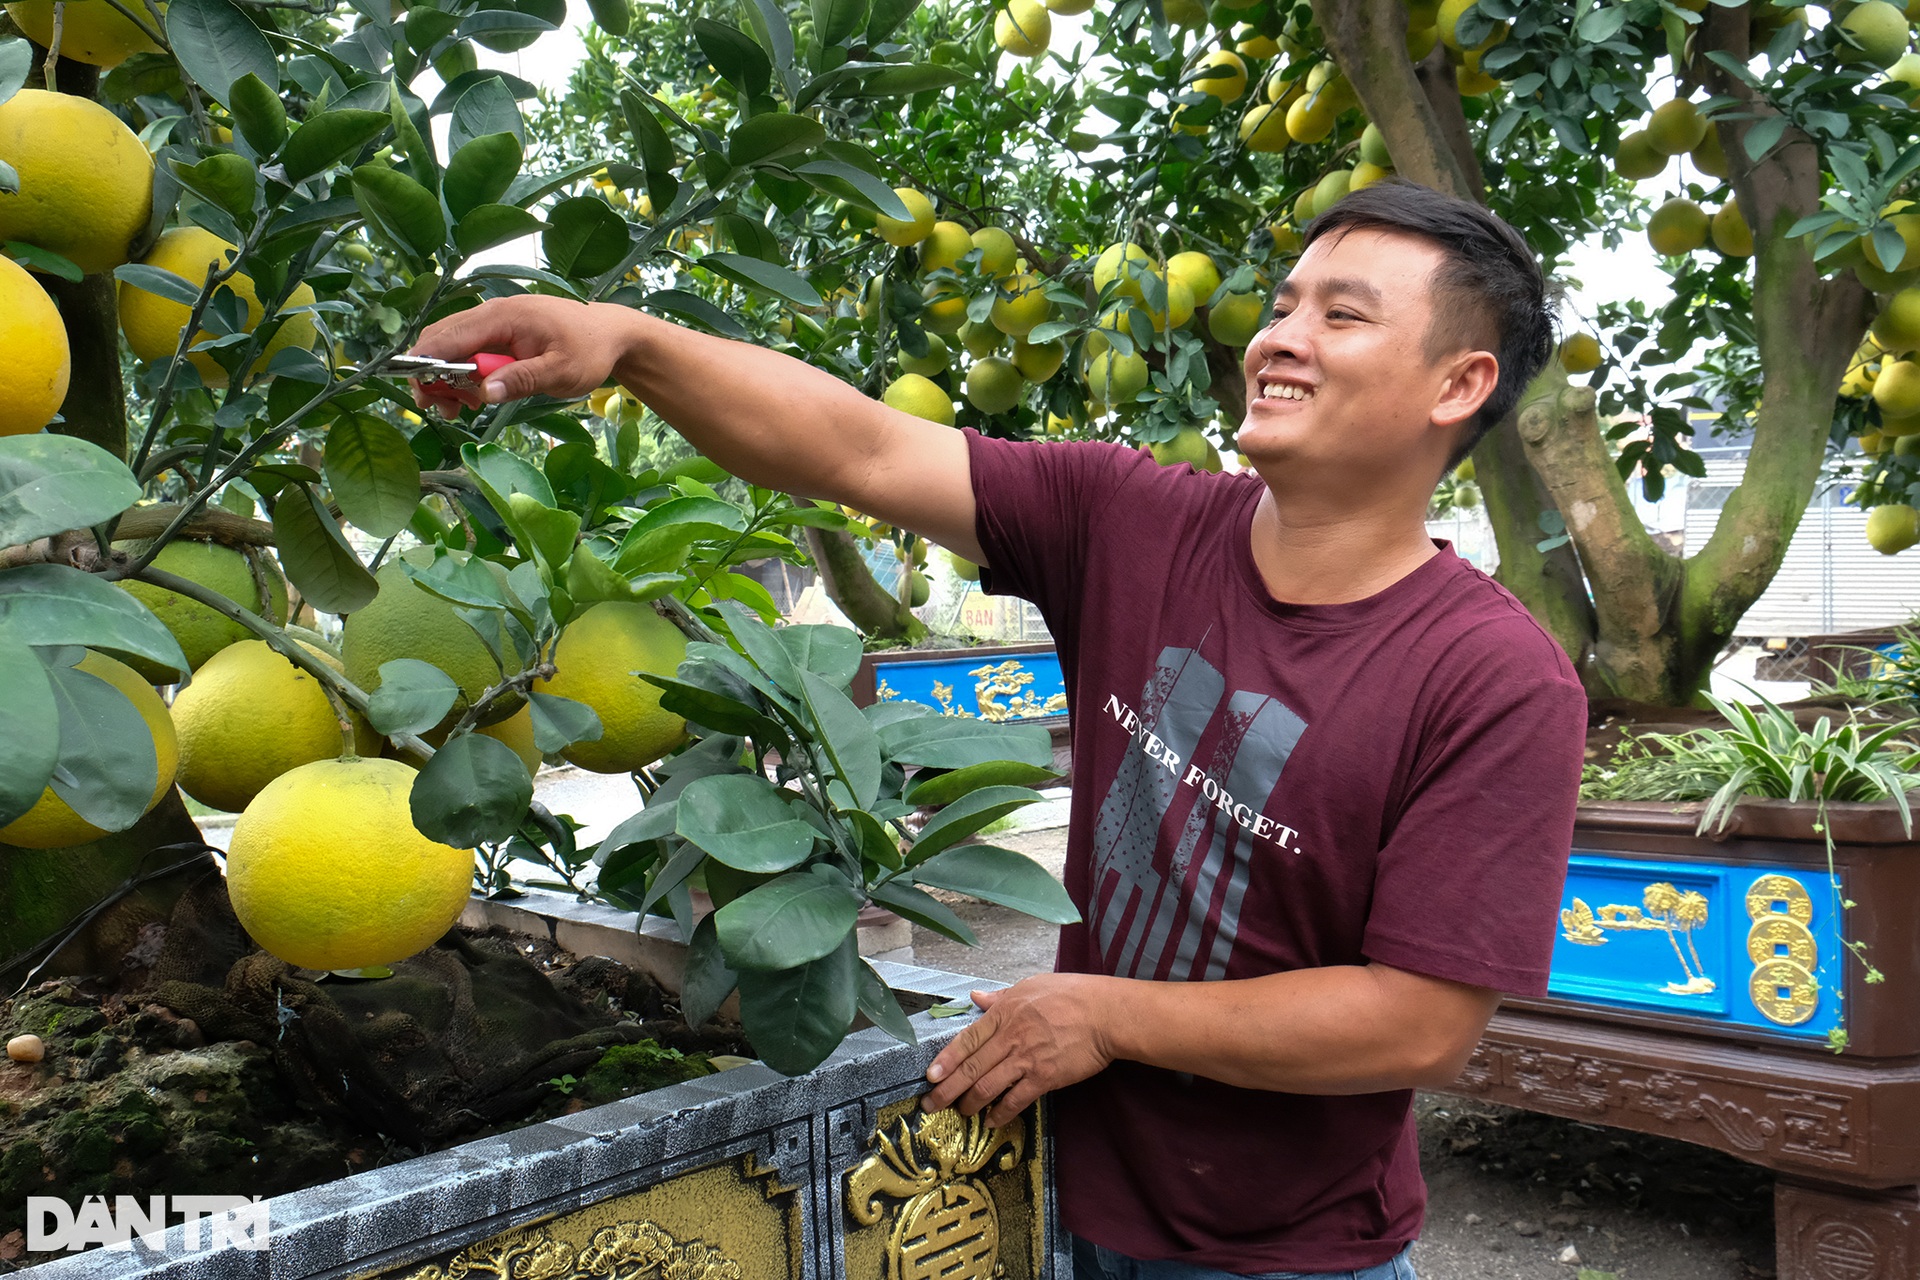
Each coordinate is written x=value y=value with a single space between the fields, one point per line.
x=1325 y=770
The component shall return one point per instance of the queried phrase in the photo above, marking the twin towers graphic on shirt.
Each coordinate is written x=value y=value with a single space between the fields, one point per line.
x=1176 y=834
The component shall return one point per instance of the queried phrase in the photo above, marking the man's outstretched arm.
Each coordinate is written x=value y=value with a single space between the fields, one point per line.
x=767 y=418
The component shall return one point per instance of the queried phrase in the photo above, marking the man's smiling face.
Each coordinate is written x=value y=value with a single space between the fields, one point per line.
x=1344 y=371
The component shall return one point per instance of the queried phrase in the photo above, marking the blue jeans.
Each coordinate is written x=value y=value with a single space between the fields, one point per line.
x=1092 y=1262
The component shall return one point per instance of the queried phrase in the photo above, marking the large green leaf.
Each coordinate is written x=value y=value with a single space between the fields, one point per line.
x=735 y=55
x=882 y=1008
x=954 y=742
x=773 y=136
x=51 y=483
x=490 y=224
x=49 y=604
x=911 y=78
x=788 y=921
x=559 y=722
x=716 y=699
x=831 y=652
x=228 y=180
x=946 y=787
x=1000 y=876
x=480 y=173
x=16 y=62
x=503 y=473
x=743 y=821
x=966 y=816
x=413 y=136
x=796 y=1017
x=373 y=473
x=850 y=740
x=835 y=20
x=695 y=310
x=708 y=979
x=850 y=182
x=585 y=237
x=329 y=138
x=764 y=277
x=475 y=790
x=216 y=43
x=613 y=16
x=487 y=106
x=108 y=770
x=413 y=696
x=660 y=537
x=258 y=113
x=27 y=709
x=316 y=556
x=656 y=151
x=159 y=282
x=401 y=207
x=923 y=909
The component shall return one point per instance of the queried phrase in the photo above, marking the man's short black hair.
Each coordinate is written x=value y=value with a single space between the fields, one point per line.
x=1487 y=272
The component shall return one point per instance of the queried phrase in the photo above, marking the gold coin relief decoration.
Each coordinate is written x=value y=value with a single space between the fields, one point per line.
x=1783 y=988
x=1779 y=895
x=1784 y=992
x=945 y=1226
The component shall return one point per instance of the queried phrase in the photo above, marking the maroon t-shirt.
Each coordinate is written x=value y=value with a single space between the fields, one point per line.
x=1261 y=787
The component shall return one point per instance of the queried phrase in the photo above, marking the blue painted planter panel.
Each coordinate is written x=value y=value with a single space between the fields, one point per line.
x=1006 y=686
x=1746 y=946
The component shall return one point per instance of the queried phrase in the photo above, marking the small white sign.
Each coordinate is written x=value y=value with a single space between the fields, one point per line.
x=233 y=1222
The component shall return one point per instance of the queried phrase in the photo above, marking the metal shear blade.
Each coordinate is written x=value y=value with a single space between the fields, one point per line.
x=449 y=373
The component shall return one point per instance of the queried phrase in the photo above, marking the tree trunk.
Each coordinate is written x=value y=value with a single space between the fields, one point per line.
x=851 y=585
x=95 y=409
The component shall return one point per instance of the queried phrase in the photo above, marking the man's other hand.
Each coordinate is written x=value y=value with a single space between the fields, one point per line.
x=1040 y=1034
x=560 y=348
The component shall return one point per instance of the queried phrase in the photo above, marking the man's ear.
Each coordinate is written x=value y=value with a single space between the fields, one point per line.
x=1472 y=378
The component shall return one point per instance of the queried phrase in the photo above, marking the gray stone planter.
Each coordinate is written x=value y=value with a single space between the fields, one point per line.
x=745 y=1175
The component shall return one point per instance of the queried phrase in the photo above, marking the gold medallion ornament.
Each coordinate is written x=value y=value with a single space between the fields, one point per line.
x=1779 y=895
x=1782 y=938
x=1784 y=992
x=947 y=1228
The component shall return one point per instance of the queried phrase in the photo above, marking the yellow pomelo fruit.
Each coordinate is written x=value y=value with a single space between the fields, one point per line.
x=153 y=323
x=1677 y=227
x=1447 y=20
x=594 y=662
x=1637 y=157
x=1898 y=429
x=1708 y=157
x=600 y=401
x=1039 y=361
x=1184 y=13
x=1331 y=189
x=1311 y=118
x=1365 y=175
x=1908 y=226
x=1872 y=445
x=935 y=361
x=1465 y=470
x=1027 y=306
x=1675 y=127
x=1179 y=307
x=86 y=183
x=1237 y=319
x=963 y=568
x=1879 y=31
x=1108 y=267
x=946 y=310
x=944 y=246
x=1252 y=44
x=1580 y=353
x=994 y=385
x=1373 y=146
x=1068 y=8
x=1283 y=93
x=326 y=869
x=1195 y=270
x=52 y=823
x=517 y=732
x=1190 y=446
x=1222 y=73
x=201 y=631
x=1180 y=124
x=1023 y=28
x=38 y=363
x=251 y=715
x=980 y=339
x=912 y=231
x=1897 y=389
x=1731 y=235
x=1420 y=42
x=998 y=253
x=1286 y=240
x=1264 y=128
x=1897 y=327
x=919 y=396
x=1116 y=379
x=407 y=621
x=91 y=31
x=1893 y=528
x=1471 y=81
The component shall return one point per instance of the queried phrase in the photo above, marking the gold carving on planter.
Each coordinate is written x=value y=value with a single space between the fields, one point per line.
x=1783 y=950
x=1784 y=992
x=1007 y=680
x=727 y=1221
x=947 y=1226
x=1675 y=912
x=1779 y=895
x=884 y=692
x=1782 y=938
